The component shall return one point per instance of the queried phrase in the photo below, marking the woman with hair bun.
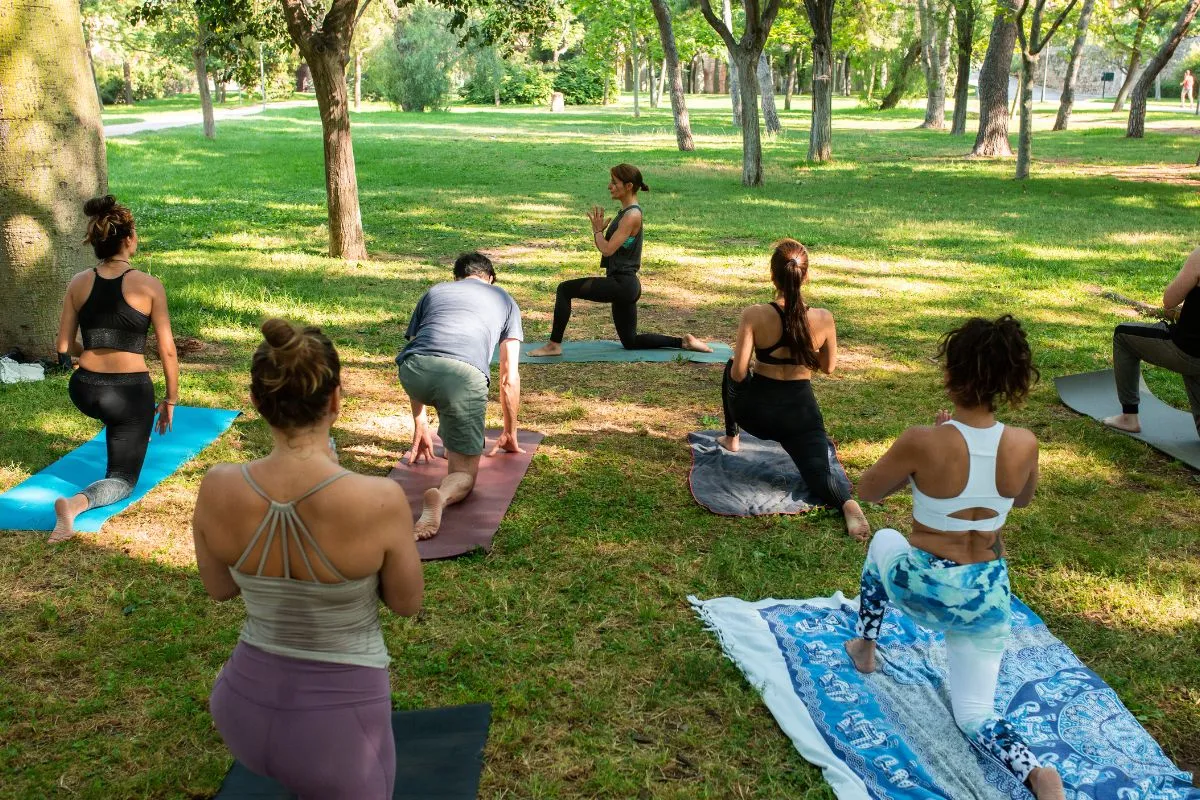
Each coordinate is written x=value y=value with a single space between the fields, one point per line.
x=312 y=548
x=619 y=241
x=113 y=306
x=773 y=398
x=966 y=472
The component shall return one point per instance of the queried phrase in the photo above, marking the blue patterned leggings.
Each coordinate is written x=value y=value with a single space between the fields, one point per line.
x=922 y=586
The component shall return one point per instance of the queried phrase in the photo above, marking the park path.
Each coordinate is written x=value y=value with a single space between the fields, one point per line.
x=178 y=119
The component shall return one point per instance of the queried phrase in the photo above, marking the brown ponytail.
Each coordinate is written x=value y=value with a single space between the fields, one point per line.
x=110 y=224
x=789 y=267
x=988 y=359
x=292 y=375
x=628 y=173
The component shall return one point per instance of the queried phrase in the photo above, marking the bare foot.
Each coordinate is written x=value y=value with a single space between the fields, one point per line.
x=548 y=349
x=692 y=343
x=65 y=512
x=431 y=516
x=730 y=443
x=1124 y=422
x=856 y=521
x=862 y=653
x=1046 y=784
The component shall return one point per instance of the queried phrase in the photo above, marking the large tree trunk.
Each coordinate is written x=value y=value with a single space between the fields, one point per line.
x=789 y=79
x=911 y=55
x=200 y=58
x=820 y=135
x=683 y=126
x=766 y=85
x=934 y=53
x=964 y=30
x=992 y=138
x=751 y=136
x=1067 y=100
x=1025 y=135
x=735 y=83
x=51 y=161
x=1137 y=106
x=1135 y=59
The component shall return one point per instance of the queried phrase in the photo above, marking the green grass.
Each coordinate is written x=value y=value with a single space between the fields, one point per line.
x=576 y=628
x=119 y=114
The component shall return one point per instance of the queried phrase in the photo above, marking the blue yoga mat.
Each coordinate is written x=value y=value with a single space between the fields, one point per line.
x=29 y=506
x=604 y=350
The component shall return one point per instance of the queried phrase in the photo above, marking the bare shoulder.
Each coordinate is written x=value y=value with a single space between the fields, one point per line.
x=820 y=316
x=376 y=496
x=1021 y=439
x=148 y=283
x=219 y=478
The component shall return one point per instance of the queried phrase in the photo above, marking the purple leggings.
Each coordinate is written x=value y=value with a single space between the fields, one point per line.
x=322 y=730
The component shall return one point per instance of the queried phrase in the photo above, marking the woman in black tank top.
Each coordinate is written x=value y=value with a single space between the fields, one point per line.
x=780 y=406
x=620 y=244
x=112 y=383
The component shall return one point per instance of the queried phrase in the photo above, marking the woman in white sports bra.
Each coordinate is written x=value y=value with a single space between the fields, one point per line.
x=966 y=473
x=312 y=548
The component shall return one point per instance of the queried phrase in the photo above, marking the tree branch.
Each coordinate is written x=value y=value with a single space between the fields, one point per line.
x=717 y=24
x=300 y=28
x=1050 y=34
x=361 y=10
x=1020 y=21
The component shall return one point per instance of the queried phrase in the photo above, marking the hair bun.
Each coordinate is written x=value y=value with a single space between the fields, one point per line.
x=98 y=206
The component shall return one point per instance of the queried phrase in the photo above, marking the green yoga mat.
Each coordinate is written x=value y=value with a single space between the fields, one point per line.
x=605 y=350
x=1164 y=428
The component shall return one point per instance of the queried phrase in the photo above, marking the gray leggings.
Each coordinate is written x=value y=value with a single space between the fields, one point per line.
x=1135 y=342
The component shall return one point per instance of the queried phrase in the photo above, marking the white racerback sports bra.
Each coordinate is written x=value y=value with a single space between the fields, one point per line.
x=980 y=491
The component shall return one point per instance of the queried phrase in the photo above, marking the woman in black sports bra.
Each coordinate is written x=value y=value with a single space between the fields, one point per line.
x=113 y=307
x=774 y=400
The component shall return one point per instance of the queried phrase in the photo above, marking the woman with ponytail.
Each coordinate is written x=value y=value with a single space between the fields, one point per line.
x=620 y=244
x=767 y=387
x=312 y=548
x=113 y=306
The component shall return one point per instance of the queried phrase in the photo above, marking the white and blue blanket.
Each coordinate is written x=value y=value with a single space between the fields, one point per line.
x=890 y=735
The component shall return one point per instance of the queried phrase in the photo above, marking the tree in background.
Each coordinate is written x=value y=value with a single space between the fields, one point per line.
x=1136 y=125
x=1032 y=45
x=683 y=126
x=1132 y=28
x=416 y=62
x=745 y=52
x=935 y=58
x=900 y=75
x=992 y=137
x=966 y=18
x=1067 y=100
x=820 y=136
x=51 y=160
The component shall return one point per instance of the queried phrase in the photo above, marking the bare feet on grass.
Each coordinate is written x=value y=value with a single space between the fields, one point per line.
x=730 y=443
x=856 y=521
x=1124 y=422
x=431 y=516
x=65 y=511
x=1046 y=784
x=862 y=653
x=548 y=349
x=692 y=343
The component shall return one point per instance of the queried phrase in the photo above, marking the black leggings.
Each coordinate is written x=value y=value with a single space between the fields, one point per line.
x=623 y=292
x=124 y=402
x=785 y=412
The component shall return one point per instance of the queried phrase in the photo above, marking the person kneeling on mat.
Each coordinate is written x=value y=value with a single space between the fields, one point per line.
x=1172 y=345
x=453 y=331
x=312 y=548
x=774 y=400
x=966 y=471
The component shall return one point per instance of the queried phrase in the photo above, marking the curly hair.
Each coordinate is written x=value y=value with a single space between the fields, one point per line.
x=293 y=374
x=109 y=225
x=988 y=359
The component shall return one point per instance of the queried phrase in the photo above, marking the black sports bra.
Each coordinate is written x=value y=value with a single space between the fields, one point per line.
x=763 y=354
x=106 y=320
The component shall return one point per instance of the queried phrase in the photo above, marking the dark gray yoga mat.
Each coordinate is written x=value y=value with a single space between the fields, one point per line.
x=1164 y=428
x=758 y=479
x=439 y=756
x=603 y=350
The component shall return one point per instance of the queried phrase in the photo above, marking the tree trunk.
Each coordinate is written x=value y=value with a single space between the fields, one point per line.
x=683 y=126
x=662 y=78
x=1067 y=100
x=735 y=83
x=789 y=79
x=892 y=98
x=1137 y=106
x=933 y=63
x=51 y=161
x=752 y=174
x=766 y=86
x=820 y=136
x=992 y=138
x=1025 y=136
x=87 y=43
x=341 y=181
x=846 y=75
x=358 y=80
x=200 y=57
x=1135 y=58
x=871 y=83
x=127 y=82
x=964 y=30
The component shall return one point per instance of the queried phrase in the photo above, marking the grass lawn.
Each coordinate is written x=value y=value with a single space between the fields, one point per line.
x=119 y=114
x=576 y=627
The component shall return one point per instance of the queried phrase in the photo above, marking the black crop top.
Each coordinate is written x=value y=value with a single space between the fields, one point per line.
x=627 y=260
x=763 y=354
x=1186 y=332
x=106 y=320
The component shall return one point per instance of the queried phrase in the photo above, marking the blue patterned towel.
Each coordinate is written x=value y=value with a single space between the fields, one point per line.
x=891 y=735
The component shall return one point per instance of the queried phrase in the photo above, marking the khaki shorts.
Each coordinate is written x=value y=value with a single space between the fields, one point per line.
x=459 y=393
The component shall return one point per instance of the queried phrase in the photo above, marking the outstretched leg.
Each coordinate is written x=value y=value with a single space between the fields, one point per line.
x=458 y=483
x=599 y=290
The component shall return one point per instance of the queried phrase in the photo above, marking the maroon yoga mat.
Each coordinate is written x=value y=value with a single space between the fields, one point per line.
x=471 y=524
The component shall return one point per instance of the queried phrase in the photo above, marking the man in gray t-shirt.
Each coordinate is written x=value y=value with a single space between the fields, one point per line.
x=447 y=364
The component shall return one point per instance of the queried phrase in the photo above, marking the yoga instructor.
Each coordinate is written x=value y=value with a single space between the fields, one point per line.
x=620 y=244
x=113 y=306
x=446 y=364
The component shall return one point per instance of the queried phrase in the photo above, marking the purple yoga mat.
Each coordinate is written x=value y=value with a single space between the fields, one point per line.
x=471 y=524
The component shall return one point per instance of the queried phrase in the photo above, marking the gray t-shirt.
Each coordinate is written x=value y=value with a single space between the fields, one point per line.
x=463 y=320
